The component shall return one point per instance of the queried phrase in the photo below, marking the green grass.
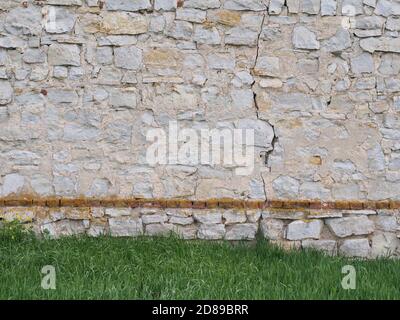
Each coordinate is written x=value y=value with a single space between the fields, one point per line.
x=169 y=268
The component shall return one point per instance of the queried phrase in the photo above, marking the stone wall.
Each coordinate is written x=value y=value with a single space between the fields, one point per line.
x=353 y=233
x=320 y=85
x=82 y=82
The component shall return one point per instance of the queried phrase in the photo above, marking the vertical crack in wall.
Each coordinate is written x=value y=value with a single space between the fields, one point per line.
x=275 y=138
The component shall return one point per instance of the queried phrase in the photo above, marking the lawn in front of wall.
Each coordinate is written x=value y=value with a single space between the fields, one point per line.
x=169 y=268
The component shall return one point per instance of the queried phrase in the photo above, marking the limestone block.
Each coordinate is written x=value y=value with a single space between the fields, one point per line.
x=348 y=226
x=6 y=92
x=303 y=38
x=64 y=55
x=63 y=228
x=211 y=231
x=232 y=217
x=125 y=226
x=359 y=248
x=272 y=229
x=158 y=229
x=299 y=230
x=241 y=231
x=385 y=245
x=128 y=5
x=327 y=246
x=208 y=217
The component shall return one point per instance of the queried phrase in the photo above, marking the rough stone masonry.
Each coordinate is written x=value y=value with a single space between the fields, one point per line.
x=82 y=81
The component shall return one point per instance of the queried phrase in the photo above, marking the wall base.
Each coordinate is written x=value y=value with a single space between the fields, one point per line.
x=352 y=233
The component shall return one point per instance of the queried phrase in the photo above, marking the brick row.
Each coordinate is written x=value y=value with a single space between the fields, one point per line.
x=223 y=203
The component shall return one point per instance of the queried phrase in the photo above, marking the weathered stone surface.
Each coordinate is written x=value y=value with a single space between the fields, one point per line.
x=314 y=190
x=348 y=226
x=263 y=131
x=60 y=96
x=97 y=212
x=64 y=55
x=310 y=6
x=303 y=38
x=20 y=214
x=272 y=229
x=202 y=4
x=327 y=246
x=352 y=7
x=3 y=57
x=232 y=217
x=393 y=24
x=180 y=30
x=359 y=212
x=6 y=92
x=275 y=6
x=286 y=187
x=387 y=8
x=191 y=15
x=355 y=248
x=396 y=103
x=270 y=83
x=211 y=231
x=206 y=35
x=12 y=184
x=386 y=223
x=384 y=44
x=23 y=21
x=117 y=212
x=268 y=66
x=208 y=217
x=167 y=5
x=220 y=61
x=65 y=2
x=121 y=23
x=253 y=215
x=96 y=230
x=299 y=230
x=158 y=229
x=376 y=158
x=59 y=20
x=284 y=214
x=328 y=7
x=364 y=63
x=60 y=72
x=241 y=37
x=385 y=245
x=339 y=42
x=128 y=5
x=125 y=226
x=180 y=217
x=227 y=17
x=128 y=57
x=104 y=55
x=41 y=185
x=161 y=58
x=370 y=23
x=293 y=6
x=125 y=99
x=34 y=56
x=241 y=231
x=63 y=228
x=11 y=42
x=154 y=218
x=286 y=245
x=82 y=213
x=252 y=5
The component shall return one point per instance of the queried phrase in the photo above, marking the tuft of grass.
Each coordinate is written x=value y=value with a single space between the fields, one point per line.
x=170 y=268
